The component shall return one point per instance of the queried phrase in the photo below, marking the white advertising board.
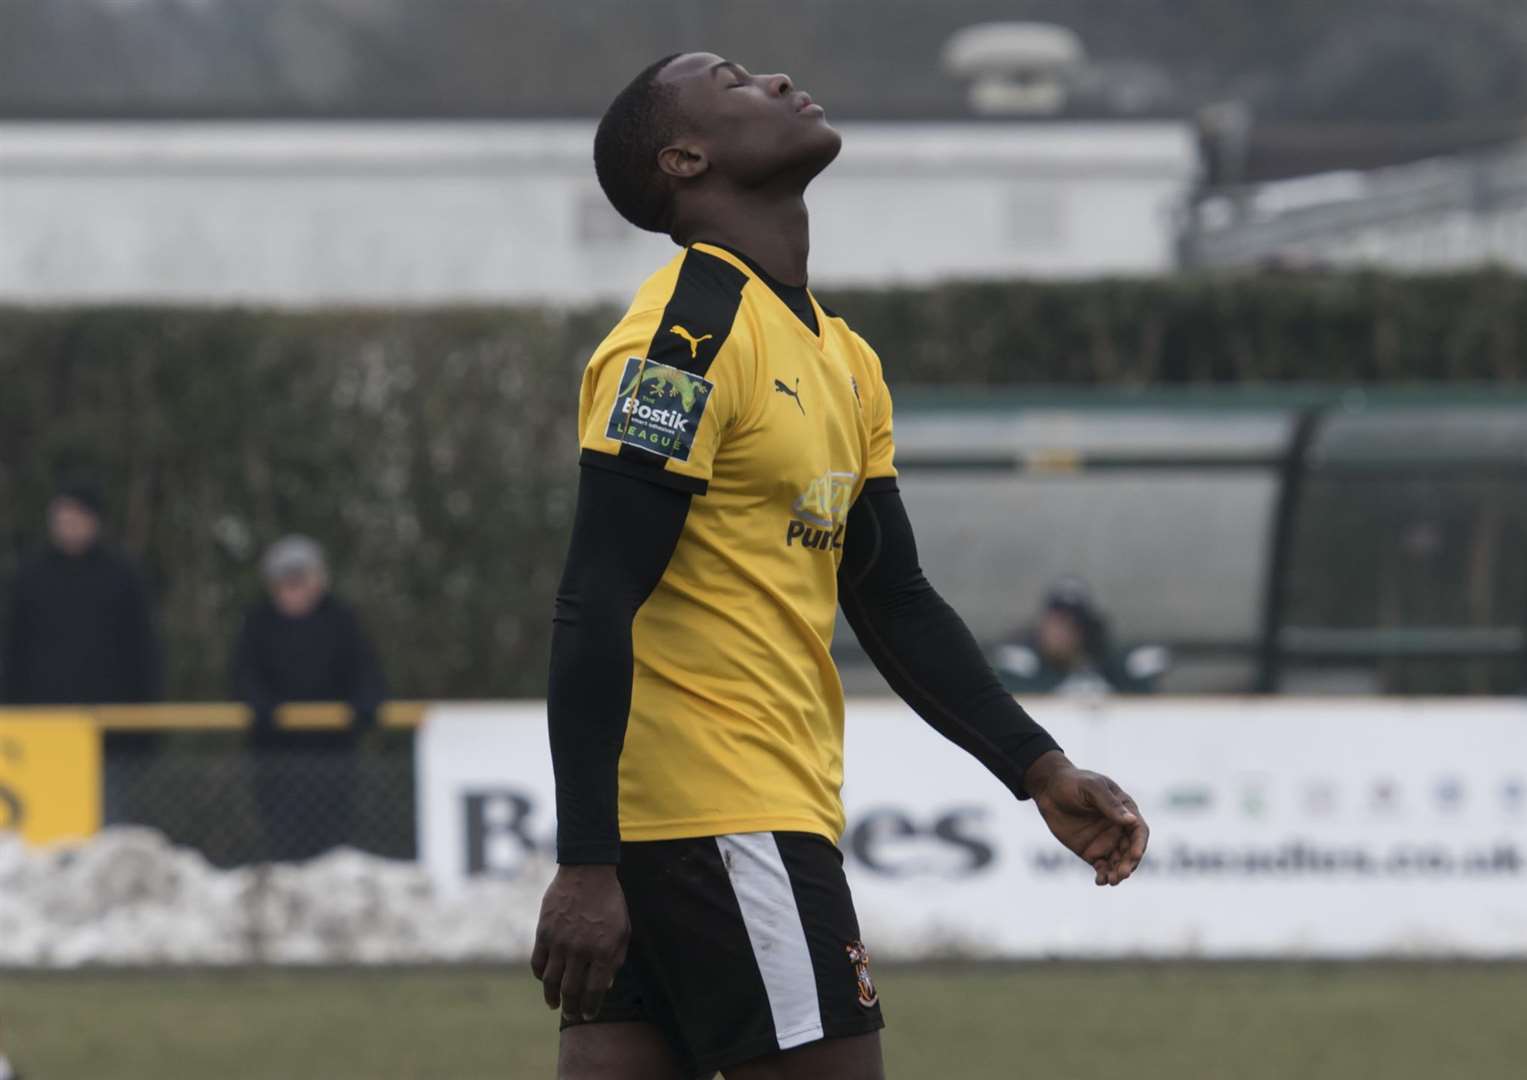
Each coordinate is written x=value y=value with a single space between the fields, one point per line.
x=1280 y=828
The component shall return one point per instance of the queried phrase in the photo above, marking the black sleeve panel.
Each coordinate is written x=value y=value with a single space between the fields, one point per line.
x=624 y=533
x=627 y=465
x=923 y=648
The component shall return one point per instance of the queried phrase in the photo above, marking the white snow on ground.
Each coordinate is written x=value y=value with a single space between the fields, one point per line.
x=128 y=896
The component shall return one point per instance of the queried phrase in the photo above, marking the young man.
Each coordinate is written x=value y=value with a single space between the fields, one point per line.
x=737 y=485
x=80 y=628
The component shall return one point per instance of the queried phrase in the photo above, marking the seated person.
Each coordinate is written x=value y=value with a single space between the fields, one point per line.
x=1067 y=651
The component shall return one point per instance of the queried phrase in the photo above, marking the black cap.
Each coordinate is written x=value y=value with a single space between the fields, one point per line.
x=84 y=492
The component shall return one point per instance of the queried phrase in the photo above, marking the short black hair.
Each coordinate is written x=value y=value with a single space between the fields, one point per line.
x=83 y=489
x=638 y=123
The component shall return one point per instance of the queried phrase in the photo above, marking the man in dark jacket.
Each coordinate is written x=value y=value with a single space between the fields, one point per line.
x=80 y=631
x=80 y=628
x=301 y=643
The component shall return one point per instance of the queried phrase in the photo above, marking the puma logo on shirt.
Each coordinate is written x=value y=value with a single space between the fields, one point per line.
x=694 y=342
x=781 y=388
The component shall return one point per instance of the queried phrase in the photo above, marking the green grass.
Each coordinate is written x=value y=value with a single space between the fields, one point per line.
x=950 y=1023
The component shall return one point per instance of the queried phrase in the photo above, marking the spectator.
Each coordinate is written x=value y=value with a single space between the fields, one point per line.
x=1067 y=651
x=302 y=643
x=80 y=629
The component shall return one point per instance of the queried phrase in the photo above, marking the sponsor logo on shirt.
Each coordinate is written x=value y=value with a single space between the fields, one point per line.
x=658 y=408
x=820 y=512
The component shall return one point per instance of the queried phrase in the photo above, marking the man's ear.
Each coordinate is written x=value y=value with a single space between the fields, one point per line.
x=682 y=160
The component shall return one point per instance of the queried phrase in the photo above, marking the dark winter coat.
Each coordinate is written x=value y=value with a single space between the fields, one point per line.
x=323 y=656
x=79 y=631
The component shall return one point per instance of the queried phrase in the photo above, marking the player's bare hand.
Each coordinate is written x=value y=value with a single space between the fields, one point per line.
x=581 y=939
x=1091 y=815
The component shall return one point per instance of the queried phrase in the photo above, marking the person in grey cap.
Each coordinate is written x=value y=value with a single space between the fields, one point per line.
x=302 y=643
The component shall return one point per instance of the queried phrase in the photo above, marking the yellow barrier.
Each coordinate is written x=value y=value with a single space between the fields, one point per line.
x=222 y=716
x=50 y=758
x=50 y=775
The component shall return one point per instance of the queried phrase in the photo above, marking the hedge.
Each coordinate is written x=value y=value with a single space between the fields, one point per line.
x=433 y=451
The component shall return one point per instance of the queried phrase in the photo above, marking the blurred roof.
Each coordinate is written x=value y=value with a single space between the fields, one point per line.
x=460 y=59
x=1340 y=84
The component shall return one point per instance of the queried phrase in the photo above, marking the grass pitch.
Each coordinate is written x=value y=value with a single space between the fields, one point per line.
x=949 y=1023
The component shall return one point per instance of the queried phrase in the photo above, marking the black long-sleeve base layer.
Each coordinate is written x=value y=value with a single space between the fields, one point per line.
x=625 y=531
x=921 y=645
x=916 y=640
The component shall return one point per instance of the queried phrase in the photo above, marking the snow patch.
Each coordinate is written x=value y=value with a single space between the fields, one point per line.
x=129 y=896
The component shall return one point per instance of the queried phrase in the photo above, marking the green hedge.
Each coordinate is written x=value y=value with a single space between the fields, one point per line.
x=1358 y=328
x=433 y=451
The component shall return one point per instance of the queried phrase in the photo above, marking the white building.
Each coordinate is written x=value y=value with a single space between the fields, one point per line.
x=325 y=213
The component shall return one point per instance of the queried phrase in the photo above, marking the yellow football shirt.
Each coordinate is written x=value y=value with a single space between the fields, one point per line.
x=711 y=384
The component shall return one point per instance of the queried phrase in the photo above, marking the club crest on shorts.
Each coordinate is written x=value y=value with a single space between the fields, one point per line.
x=859 y=956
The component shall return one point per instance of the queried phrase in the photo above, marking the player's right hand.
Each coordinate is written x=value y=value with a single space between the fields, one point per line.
x=581 y=939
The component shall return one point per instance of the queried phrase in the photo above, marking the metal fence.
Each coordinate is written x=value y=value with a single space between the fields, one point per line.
x=198 y=775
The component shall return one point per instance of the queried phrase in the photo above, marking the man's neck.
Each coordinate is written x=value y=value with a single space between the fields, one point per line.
x=775 y=234
x=72 y=553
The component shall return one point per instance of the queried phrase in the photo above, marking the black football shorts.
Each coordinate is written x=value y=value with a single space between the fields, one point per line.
x=741 y=946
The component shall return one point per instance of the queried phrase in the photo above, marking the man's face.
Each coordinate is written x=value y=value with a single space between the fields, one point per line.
x=1059 y=638
x=72 y=527
x=296 y=595
x=753 y=128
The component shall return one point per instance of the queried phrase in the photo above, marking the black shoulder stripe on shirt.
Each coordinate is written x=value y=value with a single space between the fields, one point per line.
x=695 y=324
x=700 y=313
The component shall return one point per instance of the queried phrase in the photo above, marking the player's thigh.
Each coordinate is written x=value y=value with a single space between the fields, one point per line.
x=617 y=1051
x=856 y=1057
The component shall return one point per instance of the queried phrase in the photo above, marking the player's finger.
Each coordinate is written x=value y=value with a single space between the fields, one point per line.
x=551 y=977
x=600 y=978
x=1103 y=844
x=1141 y=836
x=1122 y=863
x=1119 y=858
x=1111 y=805
x=574 y=985
x=1133 y=841
x=1100 y=870
x=539 y=955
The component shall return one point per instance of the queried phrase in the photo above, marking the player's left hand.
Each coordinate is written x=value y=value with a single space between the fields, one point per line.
x=1091 y=815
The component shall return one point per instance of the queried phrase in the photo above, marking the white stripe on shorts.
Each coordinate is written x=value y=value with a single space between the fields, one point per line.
x=762 y=886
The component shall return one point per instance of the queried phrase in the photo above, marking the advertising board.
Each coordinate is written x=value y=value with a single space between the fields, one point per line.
x=1280 y=828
